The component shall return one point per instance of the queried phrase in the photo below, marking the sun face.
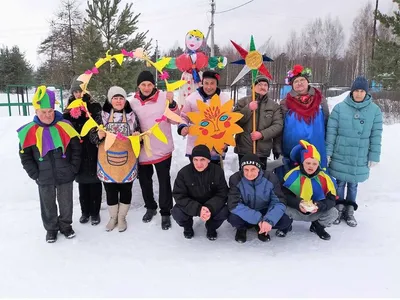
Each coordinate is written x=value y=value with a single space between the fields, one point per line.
x=215 y=125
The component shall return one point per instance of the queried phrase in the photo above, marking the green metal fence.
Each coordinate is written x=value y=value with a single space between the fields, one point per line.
x=26 y=101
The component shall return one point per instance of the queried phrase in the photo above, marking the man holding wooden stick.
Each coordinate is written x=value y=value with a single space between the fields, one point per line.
x=262 y=122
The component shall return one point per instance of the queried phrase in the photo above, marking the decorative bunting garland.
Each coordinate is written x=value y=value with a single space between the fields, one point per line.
x=111 y=137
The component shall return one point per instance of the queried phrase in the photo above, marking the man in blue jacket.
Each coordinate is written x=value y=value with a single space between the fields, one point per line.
x=255 y=199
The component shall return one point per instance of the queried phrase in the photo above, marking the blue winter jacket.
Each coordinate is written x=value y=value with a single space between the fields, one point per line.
x=255 y=201
x=353 y=138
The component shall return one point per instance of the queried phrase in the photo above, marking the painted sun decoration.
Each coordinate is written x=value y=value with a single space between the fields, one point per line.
x=215 y=125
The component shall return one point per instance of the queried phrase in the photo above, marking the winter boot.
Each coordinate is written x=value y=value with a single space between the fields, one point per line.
x=188 y=232
x=240 y=236
x=318 y=229
x=340 y=208
x=95 y=220
x=123 y=211
x=264 y=237
x=68 y=233
x=51 y=236
x=349 y=216
x=283 y=232
x=84 y=219
x=165 y=222
x=212 y=234
x=148 y=216
x=113 y=211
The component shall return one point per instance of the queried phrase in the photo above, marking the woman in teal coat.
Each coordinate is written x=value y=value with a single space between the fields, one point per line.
x=353 y=145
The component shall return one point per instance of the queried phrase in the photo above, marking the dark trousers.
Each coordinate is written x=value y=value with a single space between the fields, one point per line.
x=164 y=181
x=90 y=198
x=118 y=192
x=48 y=195
x=263 y=161
x=239 y=223
x=186 y=221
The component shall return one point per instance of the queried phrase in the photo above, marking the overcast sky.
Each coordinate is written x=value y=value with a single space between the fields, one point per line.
x=26 y=22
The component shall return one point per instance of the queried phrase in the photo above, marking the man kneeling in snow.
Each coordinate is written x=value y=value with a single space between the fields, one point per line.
x=253 y=201
x=309 y=191
x=200 y=189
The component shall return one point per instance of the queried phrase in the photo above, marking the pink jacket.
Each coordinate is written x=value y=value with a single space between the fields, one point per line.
x=191 y=106
x=148 y=112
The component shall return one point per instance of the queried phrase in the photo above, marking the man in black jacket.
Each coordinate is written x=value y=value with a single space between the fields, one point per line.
x=50 y=153
x=200 y=190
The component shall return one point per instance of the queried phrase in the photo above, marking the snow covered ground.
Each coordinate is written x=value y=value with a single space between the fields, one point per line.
x=146 y=261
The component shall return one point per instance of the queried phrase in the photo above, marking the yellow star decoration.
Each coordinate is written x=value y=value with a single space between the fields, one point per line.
x=215 y=125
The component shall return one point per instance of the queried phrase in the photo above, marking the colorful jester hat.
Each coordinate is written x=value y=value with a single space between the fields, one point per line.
x=298 y=71
x=303 y=151
x=44 y=98
x=309 y=189
x=46 y=138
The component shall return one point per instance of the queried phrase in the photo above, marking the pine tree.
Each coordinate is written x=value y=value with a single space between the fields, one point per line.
x=386 y=64
x=14 y=68
x=118 y=31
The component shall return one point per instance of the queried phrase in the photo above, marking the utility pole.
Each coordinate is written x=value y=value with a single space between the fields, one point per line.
x=212 y=26
x=374 y=33
x=70 y=37
x=156 y=61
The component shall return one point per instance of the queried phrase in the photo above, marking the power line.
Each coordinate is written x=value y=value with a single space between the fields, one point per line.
x=224 y=11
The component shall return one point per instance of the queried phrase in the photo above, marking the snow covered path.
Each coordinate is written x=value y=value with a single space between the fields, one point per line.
x=146 y=261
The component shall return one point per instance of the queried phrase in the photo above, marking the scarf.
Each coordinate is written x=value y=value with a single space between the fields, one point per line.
x=306 y=107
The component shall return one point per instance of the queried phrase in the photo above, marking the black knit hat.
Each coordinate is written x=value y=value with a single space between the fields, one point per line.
x=202 y=151
x=250 y=159
x=261 y=78
x=145 y=76
x=211 y=74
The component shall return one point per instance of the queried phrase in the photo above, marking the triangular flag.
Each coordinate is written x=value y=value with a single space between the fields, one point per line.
x=159 y=134
x=119 y=58
x=90 y=123
x=110 y=139
x=160 y=64
x=77 y=103
x=175 y=85
x=172 y=116
x=135 y=142
x=146 y=144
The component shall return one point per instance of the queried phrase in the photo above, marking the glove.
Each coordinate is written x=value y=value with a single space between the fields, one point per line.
x=328 y=159
x=372 y=164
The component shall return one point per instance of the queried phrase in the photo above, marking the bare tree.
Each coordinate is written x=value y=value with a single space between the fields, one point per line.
x=333 y=42
x=360 y=44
